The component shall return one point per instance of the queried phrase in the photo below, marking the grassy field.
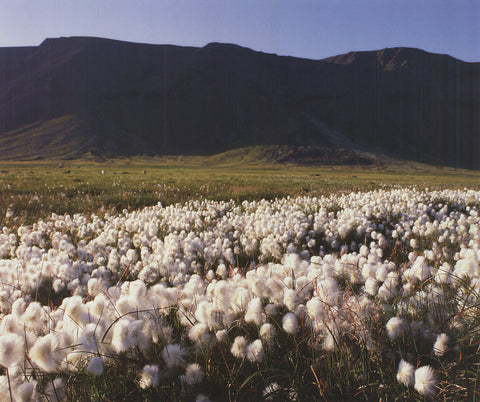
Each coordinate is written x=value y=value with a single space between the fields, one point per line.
x=33 y=190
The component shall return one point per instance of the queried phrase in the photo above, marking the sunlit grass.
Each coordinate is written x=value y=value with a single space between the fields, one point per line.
x=33 y=190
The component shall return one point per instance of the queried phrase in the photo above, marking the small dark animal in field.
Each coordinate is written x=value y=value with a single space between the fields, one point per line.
x=144 y=172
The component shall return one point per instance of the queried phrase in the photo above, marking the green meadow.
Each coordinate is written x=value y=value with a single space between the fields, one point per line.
x=33 y=190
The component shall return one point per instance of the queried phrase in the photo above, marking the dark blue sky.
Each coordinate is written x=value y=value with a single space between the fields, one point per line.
x=304 y=28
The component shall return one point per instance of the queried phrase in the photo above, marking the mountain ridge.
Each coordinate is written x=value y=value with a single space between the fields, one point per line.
x=129 y=98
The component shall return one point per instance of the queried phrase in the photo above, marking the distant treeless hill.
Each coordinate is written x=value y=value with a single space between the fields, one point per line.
x=73 y=96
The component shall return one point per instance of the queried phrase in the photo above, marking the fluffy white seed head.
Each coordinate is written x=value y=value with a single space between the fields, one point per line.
x=26 y=392
x=371 y=286
x=173 y=355
x=12 y=349
x=254 y=311
x=425 y=381
x=316 y=308
x=221 y=335
x=406 y=373
x=44 y=353
x=254 y=351
x=440 y=346
x=200 y=334
x=95 y=367
x=395 y=327
x=193 y=374
x=239 y=347
x=120 y=340
x=290 y=323
x=267 y=332
x=149 y=377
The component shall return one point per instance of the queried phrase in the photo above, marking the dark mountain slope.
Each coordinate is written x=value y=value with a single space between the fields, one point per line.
x=126 y=98
x=423 y=106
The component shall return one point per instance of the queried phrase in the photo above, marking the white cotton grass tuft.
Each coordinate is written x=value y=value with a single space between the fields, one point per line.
x=26 y=392
x=329 y=343
x=121 y=341
x=395 y=328
x=371 y=286
x=254 y=311
x=406 y=373
x=267 y=332
x=18 y=307
x=44 y=353
x=270 y=310
x=149 y=377
x=12 y=349
x=290 y=299
x=254 y=351
x=315 y=308
x=290 y=323
x=239 y=347
x=193 y=374
x=222 y=271
x=440 y=347
x=200 y=334
x=95 y=367
x=173 y=355
x=221 y=335
x=425 y=381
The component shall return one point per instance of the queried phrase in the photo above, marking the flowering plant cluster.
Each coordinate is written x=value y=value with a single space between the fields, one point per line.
x=176 y=295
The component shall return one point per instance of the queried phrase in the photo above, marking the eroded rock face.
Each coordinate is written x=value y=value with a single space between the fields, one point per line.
x=104 y=96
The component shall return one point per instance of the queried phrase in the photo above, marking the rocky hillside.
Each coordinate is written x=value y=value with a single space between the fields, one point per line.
x=74 y=96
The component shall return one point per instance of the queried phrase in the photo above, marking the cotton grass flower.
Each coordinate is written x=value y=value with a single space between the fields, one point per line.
x=149 y=377
x=193 y=374
x=270 y=310
x=120 y=340
x=440 y=346
x=290 y=323
x=95 y=367
x=395 y=327
x=254 y=351
x=267 y=332
x=239 y=347
x=173 y=355
x=329 y=343
x=371 y=286
x=254 y=311
x=221 y=335
x=425 y=381
x=12 y=349
x=26 y=392
x=199 y=334
x=44 y=353
x=406 y=373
